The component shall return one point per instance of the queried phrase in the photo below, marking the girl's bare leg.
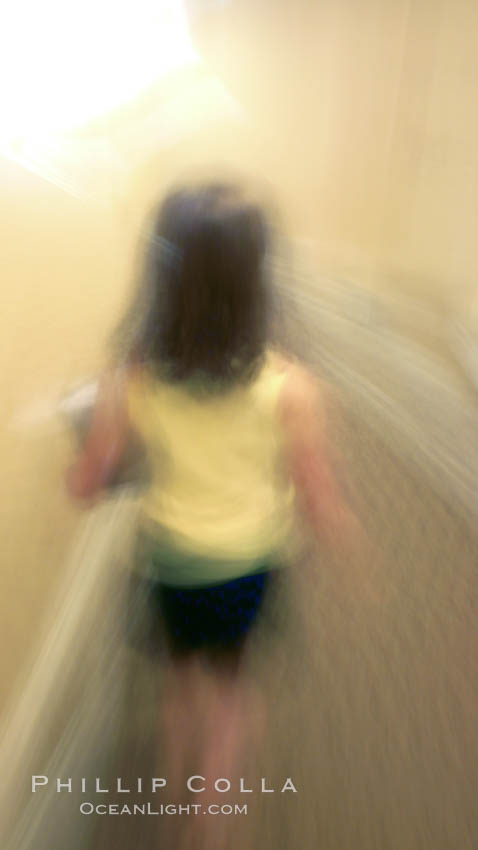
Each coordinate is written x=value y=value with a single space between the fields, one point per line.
x=180 y=718
x=233 y=726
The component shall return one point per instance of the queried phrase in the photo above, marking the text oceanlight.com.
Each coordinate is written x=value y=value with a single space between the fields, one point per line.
x=162 y=809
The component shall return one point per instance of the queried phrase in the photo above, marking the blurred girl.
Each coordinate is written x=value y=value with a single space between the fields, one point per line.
x=234 y=433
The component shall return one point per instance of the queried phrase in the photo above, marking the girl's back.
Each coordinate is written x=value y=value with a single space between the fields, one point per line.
x=219 y=487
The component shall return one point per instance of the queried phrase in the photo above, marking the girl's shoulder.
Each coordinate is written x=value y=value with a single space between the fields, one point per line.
x=299 y=382
x=303 y=396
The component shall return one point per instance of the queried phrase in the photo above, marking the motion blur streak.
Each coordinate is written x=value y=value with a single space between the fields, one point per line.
x=363 y=119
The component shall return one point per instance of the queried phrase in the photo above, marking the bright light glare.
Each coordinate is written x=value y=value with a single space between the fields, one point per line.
x=63 y=62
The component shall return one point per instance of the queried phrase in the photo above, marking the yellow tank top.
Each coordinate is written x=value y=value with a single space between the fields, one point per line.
x=219 y=489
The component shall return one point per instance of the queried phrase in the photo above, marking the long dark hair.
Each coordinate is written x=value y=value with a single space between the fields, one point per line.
x=201 y=308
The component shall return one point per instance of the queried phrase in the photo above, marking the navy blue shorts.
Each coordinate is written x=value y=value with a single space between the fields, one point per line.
x=212 y=617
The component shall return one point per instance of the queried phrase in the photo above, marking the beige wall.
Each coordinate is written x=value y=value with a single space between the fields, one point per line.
x=371 y=118
x=429 y=238
x=54 y=308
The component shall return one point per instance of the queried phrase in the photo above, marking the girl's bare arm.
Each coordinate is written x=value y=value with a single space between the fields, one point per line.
x=106 y=441
x=302 y=411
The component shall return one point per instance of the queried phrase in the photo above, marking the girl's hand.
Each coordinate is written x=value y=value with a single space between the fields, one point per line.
x=78 y=484
x=359 y=558
x=344 y=531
